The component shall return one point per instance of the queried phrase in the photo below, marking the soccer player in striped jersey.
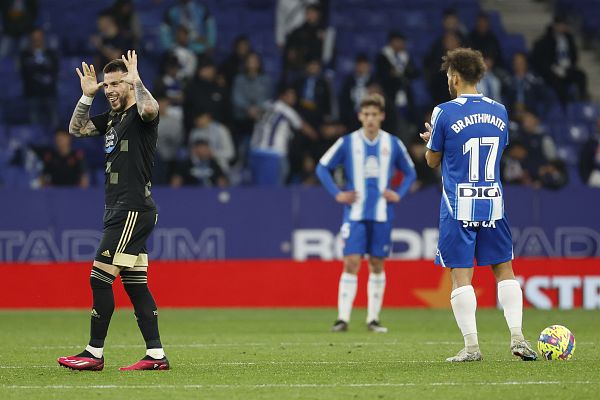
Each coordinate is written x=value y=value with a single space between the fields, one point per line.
x=466 y=137
x=369 y=157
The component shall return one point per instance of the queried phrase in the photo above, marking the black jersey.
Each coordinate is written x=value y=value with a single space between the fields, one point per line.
x=130 y=145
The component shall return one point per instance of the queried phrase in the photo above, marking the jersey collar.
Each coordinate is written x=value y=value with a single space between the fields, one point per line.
x=366 y=139
x=471 y=95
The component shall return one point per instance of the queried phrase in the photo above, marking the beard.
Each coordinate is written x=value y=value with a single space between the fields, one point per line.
x=120 y=104
x=452 y=90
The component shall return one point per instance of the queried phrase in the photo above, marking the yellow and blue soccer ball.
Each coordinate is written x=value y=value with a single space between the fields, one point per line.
x=556 y=342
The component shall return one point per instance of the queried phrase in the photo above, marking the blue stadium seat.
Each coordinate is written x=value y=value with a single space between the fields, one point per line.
x=585 y=112
x=29 y=134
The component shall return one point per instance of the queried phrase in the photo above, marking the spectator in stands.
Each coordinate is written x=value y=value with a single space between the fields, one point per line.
x=251 y=92
x=217 y=136
x=513 y=166
x=314 y=95
x=197 y=19
x=170 y=135
x=491 y=84
x=437 y=80
x=236 y=60
x=395 y=71
x=127 y=20
x=304 y=43
x=451 y=24
x=181 y=51
x=589 y=159
x=425 y=176
x=523 y=89
x=353 y=90
x=537 y=158
x=483 y=39
x=39 y=72
x=110 y=43
x=289 y=15
x=64 y=166
x=555 y=58
x=18 y=18
x=201 y=169
x=272 y=136
x=170 y=82
x=204 y=93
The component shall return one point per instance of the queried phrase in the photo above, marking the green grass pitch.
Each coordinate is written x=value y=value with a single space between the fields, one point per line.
x=290 y=354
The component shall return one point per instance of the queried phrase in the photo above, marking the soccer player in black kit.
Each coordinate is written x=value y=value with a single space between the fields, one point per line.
x=130 y=132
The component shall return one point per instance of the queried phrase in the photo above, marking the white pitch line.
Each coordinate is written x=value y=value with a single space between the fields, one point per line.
x=298 y=385
x=274 y=344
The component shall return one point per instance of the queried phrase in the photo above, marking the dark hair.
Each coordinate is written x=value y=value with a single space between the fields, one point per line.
x=115 y=66
x=361 y=57
x=468 y=63
x=283 y=89
x=375 y=100
x=395 y=35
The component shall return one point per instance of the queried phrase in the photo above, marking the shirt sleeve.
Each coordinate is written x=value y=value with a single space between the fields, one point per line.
x=100 y=122
x=438 y=123
x=293 y=117
x=404 y=163
x=331 y=159
x=334 y=156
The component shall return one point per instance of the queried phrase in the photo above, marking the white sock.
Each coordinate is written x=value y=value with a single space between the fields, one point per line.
x=157 y=354
x=346 y=294
x=95 y=351
x=375 y=291
x=511 y=300
x=464 y=304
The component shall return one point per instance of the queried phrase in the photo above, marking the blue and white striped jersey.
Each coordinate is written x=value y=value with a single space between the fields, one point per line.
x=368 y=168
x=472 y=132
x=275 y=129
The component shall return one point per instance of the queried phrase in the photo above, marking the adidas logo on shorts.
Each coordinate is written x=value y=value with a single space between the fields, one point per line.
x=106 y=253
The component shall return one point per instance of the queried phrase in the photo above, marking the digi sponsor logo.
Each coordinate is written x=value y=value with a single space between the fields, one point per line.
x=479 y=192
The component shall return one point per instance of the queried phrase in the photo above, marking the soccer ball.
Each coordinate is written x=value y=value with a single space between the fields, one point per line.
x=556 y=342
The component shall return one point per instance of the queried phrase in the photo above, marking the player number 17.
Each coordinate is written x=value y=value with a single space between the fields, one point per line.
x=472 y=147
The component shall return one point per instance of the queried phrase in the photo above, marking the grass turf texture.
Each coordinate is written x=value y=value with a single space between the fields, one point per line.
x=290 y=354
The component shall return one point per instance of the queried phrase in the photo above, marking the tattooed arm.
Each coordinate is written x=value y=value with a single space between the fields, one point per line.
x=147 y=106
x=81 y=124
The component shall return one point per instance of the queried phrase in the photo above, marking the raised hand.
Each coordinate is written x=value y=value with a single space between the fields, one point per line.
x=427 y=134
x=89 y=84
x=131 y=64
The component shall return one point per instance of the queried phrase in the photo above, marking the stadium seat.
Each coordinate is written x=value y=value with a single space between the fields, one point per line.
x=266 y=168
x=29 y=134
x=585 y=112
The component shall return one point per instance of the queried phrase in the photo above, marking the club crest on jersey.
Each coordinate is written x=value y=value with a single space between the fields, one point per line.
x=371 y=167
x=110 y=140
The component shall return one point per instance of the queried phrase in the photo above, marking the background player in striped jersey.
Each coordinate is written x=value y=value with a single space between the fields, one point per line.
x=466 y=137
x=369 y=157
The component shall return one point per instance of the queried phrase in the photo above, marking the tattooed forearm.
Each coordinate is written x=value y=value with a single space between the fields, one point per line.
x=80 y=124
x=147 y=106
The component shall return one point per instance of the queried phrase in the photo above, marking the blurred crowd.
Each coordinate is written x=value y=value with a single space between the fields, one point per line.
x=225 y=121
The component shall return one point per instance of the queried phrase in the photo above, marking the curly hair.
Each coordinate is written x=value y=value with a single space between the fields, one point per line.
x=467 y=62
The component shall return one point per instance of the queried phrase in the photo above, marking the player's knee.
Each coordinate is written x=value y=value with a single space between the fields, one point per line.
x=352 y=265
x=376 y=265
x=100 y=279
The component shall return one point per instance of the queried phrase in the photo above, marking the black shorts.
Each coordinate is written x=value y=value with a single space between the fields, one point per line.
x=124 y=237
